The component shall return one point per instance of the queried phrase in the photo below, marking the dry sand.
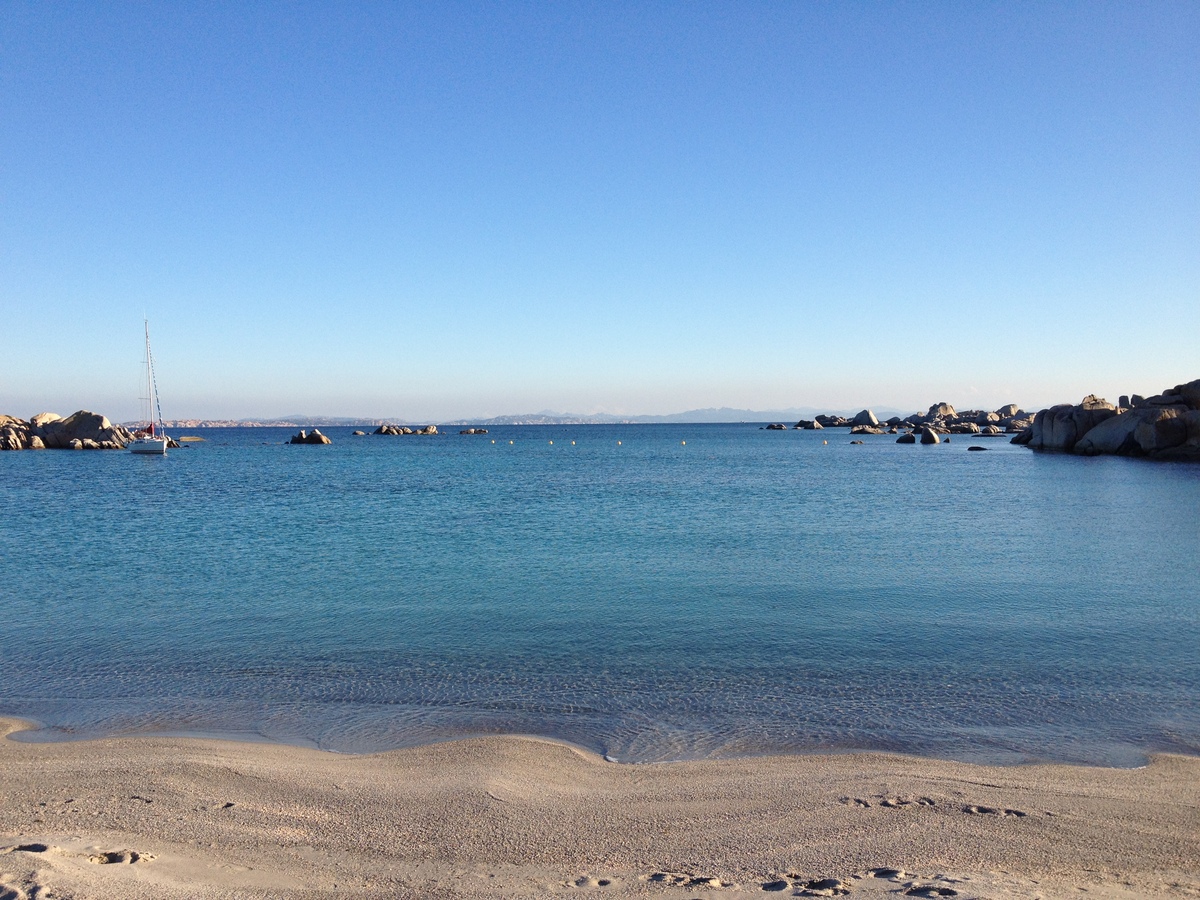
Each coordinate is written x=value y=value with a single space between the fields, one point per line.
x=515 y=817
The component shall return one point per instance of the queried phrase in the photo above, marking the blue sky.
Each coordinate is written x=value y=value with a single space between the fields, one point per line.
x=438 y=210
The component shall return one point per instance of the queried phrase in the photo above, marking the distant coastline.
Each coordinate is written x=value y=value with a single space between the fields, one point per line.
x=709 y=415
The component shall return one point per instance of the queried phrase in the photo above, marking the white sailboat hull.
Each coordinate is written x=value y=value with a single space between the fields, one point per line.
x=149 y=445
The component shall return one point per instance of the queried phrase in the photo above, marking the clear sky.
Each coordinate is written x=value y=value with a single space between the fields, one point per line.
x=439 y=210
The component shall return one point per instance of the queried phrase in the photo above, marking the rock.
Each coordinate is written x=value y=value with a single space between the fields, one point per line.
x=856 y=442
x=929 y=436
x=74 y=444
x=1189 y=450
x=83 y=425
x=893 y=430
x=1116 y=435
x=1060 y=427
x=1019 y=424
x=809 y=425
x=940 y=411
x=480 y=431
x=865 y=429
x=358 y=433
x=832 y=421
x=977 y=448
x=909 y=438
x=964 y=428
x=866 y=417
x=1123 y=402
x=991 y=430
x=987 y=418
x=894 y=421
x=1165 y=426
x=41 y=420
x=775 y=426
x=428 y=429
x=35 y=443
x=1007 y=412
x=314 y=438
x=12 y=438
x=1190 y=393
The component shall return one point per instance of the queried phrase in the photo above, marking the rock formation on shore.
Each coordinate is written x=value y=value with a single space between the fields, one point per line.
x=1165 y=426
x=310 y=437
x=82 y=430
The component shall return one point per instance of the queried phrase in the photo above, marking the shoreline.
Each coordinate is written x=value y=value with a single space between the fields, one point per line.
x=150 y=816
x=31 y=731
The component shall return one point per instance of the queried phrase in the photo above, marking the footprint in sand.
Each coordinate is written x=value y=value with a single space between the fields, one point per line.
x=993 y=811
x=589 y=881
x=684 y=879
x=824 y=887
x=856 y=801
x=128 y=857
x=930 y=890
x=897 y=802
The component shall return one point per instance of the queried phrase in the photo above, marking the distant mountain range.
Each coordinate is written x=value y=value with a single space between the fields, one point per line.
x=546 y=417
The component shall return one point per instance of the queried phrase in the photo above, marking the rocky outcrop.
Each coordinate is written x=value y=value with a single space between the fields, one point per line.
x=809 y=425
x=312 y=437
x=1060 y=427
x=909 y=438
x=1165 y=426
x=82 y=430
x=929 y=436
x=474 y=431
x=940 y=419
x=832 y=421
x=404 y=429
x=776 y=426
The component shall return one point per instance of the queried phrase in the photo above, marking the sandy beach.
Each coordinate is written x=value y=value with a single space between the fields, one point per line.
x=491 y=817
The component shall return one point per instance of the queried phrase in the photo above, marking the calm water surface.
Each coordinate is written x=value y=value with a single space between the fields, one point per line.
x=744 y=592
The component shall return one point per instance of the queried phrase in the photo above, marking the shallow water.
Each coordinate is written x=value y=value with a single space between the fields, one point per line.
x=744 y=592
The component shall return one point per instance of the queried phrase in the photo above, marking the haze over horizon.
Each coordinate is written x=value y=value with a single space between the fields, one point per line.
x=452 y=211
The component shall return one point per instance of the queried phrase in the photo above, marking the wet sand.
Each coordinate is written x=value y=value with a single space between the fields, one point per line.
x=516 y=817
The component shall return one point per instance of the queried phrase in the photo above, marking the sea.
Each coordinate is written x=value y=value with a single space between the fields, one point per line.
x=649 y=592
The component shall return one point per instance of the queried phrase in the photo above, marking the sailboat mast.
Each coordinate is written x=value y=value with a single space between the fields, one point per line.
x=149 y=378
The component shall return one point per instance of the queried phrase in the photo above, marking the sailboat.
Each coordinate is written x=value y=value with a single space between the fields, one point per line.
x=152 y=439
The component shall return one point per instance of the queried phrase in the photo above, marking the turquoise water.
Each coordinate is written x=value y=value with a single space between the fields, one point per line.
x=744 y=592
